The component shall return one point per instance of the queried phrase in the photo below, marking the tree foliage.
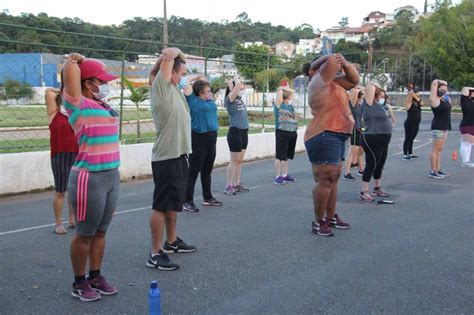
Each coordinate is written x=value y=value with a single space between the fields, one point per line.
x=13 y=89
x=446 y=40
x=254 y=59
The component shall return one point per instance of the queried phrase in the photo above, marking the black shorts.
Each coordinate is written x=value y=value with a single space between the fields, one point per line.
x=237 y=139
x=285 y=142
x=61 y=164
x=356 y=137
x=170 y=178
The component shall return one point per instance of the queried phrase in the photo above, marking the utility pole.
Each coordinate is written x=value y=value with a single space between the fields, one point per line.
x=369 y=62
x=165 y=26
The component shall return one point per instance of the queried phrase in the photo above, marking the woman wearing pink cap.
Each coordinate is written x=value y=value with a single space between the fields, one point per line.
x=94 y=179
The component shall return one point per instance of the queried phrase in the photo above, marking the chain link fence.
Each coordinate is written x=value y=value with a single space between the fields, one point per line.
x=34 y=67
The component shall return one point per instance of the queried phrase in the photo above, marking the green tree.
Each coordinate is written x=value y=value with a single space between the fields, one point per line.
x=137 y=96
x=353 y=52
x=446 y=40
x=218 y=84
x=254 y=59
x=272 y=76
x=13 y=89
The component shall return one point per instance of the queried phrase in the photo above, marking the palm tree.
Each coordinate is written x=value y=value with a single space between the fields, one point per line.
x=137 y=96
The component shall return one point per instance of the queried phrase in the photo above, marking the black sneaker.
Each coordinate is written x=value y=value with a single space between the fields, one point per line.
x=360 y=173
x=213 y=202
x=190 y=207
x=178 y=246
x=161 y=261
x=407 y=158
x=443 y=173
x=414 y=156
x=348 y=176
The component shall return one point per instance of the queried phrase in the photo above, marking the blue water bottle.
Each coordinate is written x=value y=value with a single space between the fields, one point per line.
x=154 y=298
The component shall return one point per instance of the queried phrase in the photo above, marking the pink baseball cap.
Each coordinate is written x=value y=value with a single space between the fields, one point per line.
x=91 y=68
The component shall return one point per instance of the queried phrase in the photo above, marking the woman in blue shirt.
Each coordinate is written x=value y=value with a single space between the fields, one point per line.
x=204 y=125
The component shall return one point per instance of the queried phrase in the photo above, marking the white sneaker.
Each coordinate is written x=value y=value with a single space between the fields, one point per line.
x=467 y=164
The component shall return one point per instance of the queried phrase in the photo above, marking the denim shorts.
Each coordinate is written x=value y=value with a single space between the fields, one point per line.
x=439 y=134
x=327 y=148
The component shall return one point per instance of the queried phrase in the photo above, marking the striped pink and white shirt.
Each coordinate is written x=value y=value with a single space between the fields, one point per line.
x=96 y=128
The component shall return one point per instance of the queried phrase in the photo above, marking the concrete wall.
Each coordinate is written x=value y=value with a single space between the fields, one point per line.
x=22 y=172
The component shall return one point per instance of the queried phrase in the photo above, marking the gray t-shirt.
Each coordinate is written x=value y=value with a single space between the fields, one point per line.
x=376 y=118
x=357 y=114
x=237 y=113
x=172 y=120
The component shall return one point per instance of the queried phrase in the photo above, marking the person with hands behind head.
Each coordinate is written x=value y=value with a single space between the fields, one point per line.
x=286 y=127
x=204 y=125
x=169 y=164
x=375 y=139
x=413 y=104
x=63 y=154
x=355 y=156
x=441 y=123
x=94 y=179
x=466 y=127
x=327 y=133
x=237 y=136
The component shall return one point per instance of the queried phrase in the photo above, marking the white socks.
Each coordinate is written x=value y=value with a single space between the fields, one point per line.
x=465 y=151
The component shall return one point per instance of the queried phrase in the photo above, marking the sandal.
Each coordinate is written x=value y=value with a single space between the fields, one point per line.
x=60 y=229
x=379 y=192
x=364 y=196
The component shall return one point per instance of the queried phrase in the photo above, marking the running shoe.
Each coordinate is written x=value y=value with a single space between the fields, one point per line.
x=178 y=246
x=288 y=178
x=337 y=223
x=321 y=227
x=161 y=261
x=103 y=287
x=279 y=181
x=348 y=176
x=240 y=188
x=213 y=202
x=83 y=290
x=190 y=207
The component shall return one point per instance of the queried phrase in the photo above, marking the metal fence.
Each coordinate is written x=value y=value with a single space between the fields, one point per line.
x=23 y=116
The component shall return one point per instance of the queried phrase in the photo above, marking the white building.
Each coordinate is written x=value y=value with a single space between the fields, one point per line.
x=335 y=33
x=308 y=46
x=248 y=44
x=285 y=48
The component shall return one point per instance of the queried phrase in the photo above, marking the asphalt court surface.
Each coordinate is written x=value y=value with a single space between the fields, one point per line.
x=256 y=254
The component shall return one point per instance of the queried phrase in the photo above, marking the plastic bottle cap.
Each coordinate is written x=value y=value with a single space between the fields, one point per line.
x=154 y=284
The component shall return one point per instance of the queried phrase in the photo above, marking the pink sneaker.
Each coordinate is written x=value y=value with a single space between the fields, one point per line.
x=103 y=287
x=337 y=223
x=83 y=290
x=321 y=227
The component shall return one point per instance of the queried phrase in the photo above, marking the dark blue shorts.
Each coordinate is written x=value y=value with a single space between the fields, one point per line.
x=326 y=148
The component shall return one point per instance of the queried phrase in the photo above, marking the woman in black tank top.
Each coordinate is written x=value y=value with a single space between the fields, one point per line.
x=413 y=105
x=441 y=123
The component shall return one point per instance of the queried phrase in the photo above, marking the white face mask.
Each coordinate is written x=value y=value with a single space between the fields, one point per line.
x=381 y=101
x=104 y=90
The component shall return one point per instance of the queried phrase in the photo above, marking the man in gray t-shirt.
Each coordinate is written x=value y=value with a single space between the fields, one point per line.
x=169 y=158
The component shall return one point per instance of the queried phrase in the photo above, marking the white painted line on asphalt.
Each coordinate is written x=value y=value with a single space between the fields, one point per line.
x=116 y=213
x=417 y=147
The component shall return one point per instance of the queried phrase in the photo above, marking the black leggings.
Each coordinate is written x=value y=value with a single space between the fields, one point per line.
x=376 y=150
x=411 y=131
x=201 y=161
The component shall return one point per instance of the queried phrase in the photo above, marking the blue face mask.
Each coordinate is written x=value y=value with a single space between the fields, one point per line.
x=182 y=83
x=446 y=98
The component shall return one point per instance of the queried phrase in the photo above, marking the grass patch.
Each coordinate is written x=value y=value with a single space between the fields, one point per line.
x=42 y=144
x=35 y=115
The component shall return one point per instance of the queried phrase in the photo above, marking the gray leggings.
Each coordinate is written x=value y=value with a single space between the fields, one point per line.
x=93 y=197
